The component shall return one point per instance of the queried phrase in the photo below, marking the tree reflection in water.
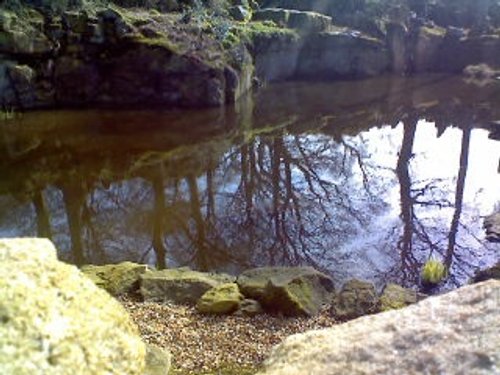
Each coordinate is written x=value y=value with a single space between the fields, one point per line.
x=338 y=188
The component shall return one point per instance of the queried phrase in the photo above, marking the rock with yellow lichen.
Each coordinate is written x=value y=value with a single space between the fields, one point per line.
x=222 y=299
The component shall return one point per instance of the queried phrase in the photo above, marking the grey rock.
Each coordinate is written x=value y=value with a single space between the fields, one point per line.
x=357 y=298
x=289 y=290
x=179 y=285
x=158 y=360
x=395 y=297
x=456 y=333
x=346 y=54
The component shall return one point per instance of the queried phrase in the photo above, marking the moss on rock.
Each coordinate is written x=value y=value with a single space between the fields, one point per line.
x=221 y=299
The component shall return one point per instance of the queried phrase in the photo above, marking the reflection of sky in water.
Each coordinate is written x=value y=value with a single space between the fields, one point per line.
x=435 y=164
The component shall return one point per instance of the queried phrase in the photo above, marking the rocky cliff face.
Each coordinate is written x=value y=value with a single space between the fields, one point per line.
x=114 y=58
x=138 y=57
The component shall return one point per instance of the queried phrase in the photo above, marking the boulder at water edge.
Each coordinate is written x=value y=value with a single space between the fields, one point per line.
x=179 y=285
x=456 y=333
x=289 y=290
x=116 y=278
x=53 y=320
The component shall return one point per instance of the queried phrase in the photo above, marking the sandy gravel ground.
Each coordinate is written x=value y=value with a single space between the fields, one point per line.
x=201 y=344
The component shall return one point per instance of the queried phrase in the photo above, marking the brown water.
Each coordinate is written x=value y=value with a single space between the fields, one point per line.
x=363 y=179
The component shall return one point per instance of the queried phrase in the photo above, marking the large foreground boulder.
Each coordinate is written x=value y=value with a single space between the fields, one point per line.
x=456 y=333
x=179 y=285
x=53 y=320
x=116 y=278
x=289 y=290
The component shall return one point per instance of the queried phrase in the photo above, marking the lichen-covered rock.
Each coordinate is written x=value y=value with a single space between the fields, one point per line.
x=456 y=333
x=158 y=360
x=116 y=278
x=289 y=290
x=179 y=285
x=53 y=320
x=221 y=299
x=395 y=297
x=357 y=298
x=492 y=226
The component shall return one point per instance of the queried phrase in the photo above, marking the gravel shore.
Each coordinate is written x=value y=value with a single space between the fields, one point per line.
x=202 y=344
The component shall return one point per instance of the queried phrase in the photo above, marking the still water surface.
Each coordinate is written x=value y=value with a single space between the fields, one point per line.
x=363 y=179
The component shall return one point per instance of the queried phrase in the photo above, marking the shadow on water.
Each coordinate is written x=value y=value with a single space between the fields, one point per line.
x=360 y=179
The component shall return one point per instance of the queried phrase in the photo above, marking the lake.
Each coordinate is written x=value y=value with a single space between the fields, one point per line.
x=364 y=179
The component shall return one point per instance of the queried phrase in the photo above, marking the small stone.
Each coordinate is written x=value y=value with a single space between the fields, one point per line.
x=158 y=360
x=395 y=297
x=222 y=299
x=356 y=298
x=249 y=307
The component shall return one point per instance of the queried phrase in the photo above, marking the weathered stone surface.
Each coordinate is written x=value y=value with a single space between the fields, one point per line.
x=18 y=36
x=395 y=297
x=456 y=333
x=346 y=54
x=304 y=22
x=492 y=226
x=221 y=299
x=290 y=290
x=158 y=360
x=428 y=48
x=249 y=307
x=17 y=84
x=276 y=56
x=179 y=285
x=116 y=278
x=53 y=320
x=357 y=298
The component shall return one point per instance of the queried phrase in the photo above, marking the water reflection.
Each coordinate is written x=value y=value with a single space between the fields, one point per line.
x=361 y=179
